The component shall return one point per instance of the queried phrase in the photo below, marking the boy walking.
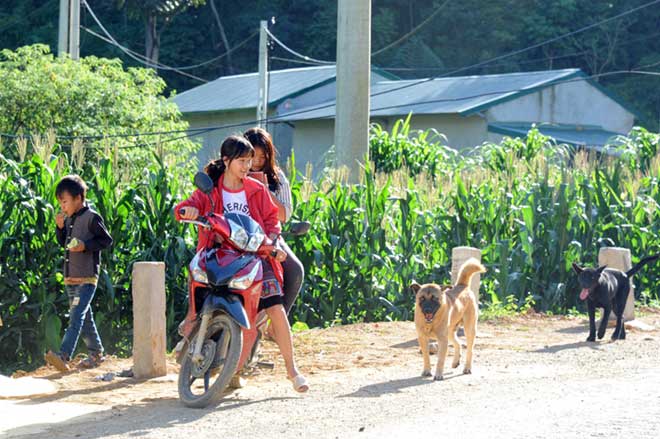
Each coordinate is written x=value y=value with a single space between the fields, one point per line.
x=82 y=233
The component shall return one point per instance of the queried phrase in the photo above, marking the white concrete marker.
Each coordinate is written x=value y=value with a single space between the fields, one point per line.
x=149 y=340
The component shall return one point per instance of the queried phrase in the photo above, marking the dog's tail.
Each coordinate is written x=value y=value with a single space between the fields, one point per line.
x=467 y=270
x=641 y=263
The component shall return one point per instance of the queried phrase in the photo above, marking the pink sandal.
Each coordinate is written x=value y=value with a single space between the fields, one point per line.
x=299 y=383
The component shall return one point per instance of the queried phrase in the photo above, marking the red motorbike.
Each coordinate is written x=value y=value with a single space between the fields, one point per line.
x=221 y=331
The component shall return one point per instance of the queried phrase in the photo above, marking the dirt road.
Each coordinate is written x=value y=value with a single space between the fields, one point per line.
x=533 y=377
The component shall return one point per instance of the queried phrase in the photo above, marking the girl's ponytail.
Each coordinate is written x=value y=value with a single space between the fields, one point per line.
x=232 y=148
x=214 y=169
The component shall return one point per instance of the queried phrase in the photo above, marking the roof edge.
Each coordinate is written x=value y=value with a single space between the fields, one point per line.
x=515 y=95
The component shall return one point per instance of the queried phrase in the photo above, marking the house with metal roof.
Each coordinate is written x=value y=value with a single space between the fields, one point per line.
x=467 y=110
x=228 y=104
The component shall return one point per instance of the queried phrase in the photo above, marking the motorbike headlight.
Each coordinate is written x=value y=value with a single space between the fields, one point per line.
x=238 y=235
x=196 y=271
x=244 y=282
x=255 y=242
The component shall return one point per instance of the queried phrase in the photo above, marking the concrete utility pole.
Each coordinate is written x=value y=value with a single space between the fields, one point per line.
x=74 y=30
x=262 y=102
x=63 y=34
x=68 y=38
x=353 y=80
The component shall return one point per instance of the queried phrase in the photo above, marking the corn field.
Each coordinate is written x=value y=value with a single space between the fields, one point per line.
x=531 y=206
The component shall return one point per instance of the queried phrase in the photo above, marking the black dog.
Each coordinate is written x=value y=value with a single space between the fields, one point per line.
x=607 y=288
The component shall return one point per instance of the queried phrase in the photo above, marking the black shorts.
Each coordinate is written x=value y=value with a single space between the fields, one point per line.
x=270 y=301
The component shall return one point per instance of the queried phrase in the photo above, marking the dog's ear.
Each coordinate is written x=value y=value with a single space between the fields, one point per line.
x=600 y=269
x=414 y=287
x=577 y=268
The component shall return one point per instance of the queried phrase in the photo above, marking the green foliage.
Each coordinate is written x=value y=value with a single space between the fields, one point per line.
x=462 y=34
x=531 y=211
x=137 y=215
x=531 y=206
x=39 y=92
x=134 y=189
x=391 y=151
x=508 y=308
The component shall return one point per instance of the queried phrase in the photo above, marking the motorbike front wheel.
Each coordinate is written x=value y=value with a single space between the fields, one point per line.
x=221 y=351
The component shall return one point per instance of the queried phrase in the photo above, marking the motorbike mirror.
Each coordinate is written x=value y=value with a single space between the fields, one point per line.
x=299 y=228
x=203 y=182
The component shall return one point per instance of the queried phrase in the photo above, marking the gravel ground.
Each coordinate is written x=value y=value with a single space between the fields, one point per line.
x=533 y=377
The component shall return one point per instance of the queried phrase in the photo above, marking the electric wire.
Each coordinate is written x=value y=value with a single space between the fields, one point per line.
x=412 y=32
x=139 y=58
x=282 y=118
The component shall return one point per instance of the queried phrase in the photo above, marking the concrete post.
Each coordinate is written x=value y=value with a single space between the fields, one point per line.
x=619 y=258
x=458 y=256
x=74 y=30
x=149 y=322
x=353 y=80
x=63 y=32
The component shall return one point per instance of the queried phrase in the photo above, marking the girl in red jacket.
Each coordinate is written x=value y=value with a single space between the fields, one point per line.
x=235 y=192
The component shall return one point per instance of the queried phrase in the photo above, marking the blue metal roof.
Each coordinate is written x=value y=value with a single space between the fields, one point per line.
x=240 y=91
x=458 y=95
x=587 y=136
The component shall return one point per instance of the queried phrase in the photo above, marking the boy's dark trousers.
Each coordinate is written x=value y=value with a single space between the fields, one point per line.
x=81 y=321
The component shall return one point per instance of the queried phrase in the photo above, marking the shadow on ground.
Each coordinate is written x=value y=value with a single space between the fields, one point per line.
x=575 y=329
x=562 y=347
x=131 y=420
x=395 y=386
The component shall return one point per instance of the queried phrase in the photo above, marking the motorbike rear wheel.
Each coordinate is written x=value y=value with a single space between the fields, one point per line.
x=224 y=342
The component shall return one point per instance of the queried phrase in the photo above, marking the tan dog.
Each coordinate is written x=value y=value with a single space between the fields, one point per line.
x=438 y=311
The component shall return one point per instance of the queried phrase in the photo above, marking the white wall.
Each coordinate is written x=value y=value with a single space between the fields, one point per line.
x=211 y=141
x=577 y=103
x=282 y=133
x=461 y=132
x=313 y=138
x=311 y=141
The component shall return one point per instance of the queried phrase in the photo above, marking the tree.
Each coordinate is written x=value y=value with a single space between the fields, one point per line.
x=90 y=97
x=157 y=15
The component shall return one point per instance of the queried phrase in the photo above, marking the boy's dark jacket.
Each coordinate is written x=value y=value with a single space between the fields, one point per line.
x=88 y=227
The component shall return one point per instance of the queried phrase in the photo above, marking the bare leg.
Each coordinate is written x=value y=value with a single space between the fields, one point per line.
x=282 y=336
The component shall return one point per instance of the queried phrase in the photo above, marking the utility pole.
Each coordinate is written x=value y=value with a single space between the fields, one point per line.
x=63 y=34
x=74 y=29
x=353 y=81
x=262 y=99
x=68 y=37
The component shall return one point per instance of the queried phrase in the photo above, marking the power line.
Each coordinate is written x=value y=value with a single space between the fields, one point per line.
x=294 y=53
x=481 y=63
x=526 y=49
x=203 y=130
x=194 y=66
x=296 y=61
x=137 y=57
x=413 y=31
x=527 y=61
x=404 y=86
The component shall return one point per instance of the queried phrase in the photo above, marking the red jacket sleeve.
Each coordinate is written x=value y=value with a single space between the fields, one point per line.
x=201 y=201
x=198 y=199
